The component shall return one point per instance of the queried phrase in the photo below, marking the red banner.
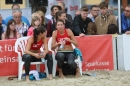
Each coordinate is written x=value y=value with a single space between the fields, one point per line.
x=8 y=58
x=96 y=50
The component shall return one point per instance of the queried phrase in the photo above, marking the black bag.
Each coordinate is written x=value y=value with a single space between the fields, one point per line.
x=67 y=70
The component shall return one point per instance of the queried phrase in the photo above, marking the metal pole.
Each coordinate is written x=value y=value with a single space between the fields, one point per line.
x=119 y=15
x=80 y=4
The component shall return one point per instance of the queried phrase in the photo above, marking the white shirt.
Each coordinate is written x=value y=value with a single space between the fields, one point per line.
x=91 y=17
x=49 y=17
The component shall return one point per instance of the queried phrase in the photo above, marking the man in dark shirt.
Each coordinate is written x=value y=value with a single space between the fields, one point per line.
x=80 y=22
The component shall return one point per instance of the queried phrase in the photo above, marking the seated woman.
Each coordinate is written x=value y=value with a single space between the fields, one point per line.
x=32 y=50
x=62 y=38
x=11 y=32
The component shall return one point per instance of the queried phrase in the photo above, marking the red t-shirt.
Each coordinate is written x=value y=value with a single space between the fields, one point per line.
x=60 y=38
x=37 y=46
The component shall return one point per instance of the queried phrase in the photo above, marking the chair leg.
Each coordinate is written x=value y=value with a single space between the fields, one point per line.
x=38 y=67
x=54 y=65
x=54 y=68
x=80 y=69
x=46 y=69
x=20 y=71
x=79 y=64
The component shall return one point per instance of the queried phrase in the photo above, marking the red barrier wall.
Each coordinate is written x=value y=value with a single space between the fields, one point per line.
x=96 y=50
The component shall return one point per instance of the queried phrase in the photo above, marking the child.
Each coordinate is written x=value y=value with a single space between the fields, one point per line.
x=112 y=29
x=92 y=29
x=34 y=24
x=11 y=32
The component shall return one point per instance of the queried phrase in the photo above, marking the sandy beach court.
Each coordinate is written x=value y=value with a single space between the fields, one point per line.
x=102 y=78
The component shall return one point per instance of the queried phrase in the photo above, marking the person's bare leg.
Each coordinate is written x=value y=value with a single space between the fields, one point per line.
x=50 y=76
x=61 y=74
x=27 y=79
x=77 y=73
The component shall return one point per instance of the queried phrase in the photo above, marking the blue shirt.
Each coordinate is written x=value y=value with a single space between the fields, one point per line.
x=24 y=19
x=128 y=21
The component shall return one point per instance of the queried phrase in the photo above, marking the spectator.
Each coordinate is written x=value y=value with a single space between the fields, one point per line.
x=60 y=15
x=3 y=26
x=92 y=29
x=49 y=17
x=24 y=19
x=32 y=50
x=125 y=20
x=94 y=11
x=81 y=22
x=111 y=10
x=34 y=24
x=78 y=12
x=21 y=27
x=104 y=20
x=43 y=9
x=42 y=18
x=3 y=22
x=112 y=29
x=68 y=16
x=64 y=37
x=51 y=23
x=11 y=32
x=1 y=31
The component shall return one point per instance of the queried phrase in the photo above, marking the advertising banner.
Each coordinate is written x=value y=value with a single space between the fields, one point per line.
x=96 y=51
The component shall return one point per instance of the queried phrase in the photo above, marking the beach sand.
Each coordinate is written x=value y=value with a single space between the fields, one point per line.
x=102 y=78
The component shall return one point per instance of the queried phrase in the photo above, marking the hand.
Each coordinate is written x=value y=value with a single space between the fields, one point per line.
x=60 y=43
x=36 y=55
x=127 y=32
x=42 y=55
x=81 y=35
x=67 y=39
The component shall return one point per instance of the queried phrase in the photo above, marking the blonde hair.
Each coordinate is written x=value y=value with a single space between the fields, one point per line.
x=62 y=3
x=34 y=18
x=42 y=16
x=34 y=14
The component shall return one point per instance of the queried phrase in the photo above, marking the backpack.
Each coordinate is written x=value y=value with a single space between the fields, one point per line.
x=67 y=70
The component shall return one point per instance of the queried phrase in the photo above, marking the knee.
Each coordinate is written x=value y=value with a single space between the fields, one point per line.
x=71 y=62
x=26 y=57
x=60 y=56
x=49 y=57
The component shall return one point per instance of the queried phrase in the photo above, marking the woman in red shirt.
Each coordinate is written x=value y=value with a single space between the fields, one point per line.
x=62 y=38
x=32 y=50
